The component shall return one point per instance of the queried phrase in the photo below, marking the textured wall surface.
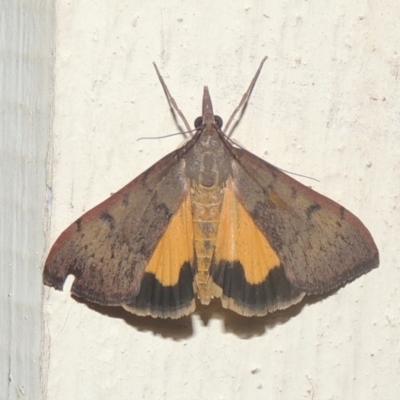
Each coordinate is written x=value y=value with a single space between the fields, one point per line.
x=326 y=106
x=26 y=79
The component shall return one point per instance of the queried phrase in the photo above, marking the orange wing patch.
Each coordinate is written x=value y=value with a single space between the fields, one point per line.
x=240 y=240
x=175 y=248
x=246 y=267
x=166 y=289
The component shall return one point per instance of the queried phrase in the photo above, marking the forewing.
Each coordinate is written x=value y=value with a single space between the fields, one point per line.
x=108 y=248
x=320 y=244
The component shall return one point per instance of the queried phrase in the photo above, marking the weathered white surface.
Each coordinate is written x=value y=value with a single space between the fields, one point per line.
x=26 y=68
x=326 y=106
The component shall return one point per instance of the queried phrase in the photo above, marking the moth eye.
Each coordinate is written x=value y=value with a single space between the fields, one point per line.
x=198 y=122
x=218 y=121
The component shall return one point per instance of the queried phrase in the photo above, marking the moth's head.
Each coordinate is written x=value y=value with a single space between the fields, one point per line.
x=208 y=119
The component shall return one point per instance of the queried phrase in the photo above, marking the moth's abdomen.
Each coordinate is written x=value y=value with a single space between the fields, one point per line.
x=206 y=210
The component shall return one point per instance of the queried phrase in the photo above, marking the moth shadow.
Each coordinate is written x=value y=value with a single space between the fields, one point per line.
x=169 y=328
x=248 y=327
x=182 y=328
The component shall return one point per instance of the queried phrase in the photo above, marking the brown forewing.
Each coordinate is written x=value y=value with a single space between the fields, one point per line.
x=108 y=248
x=321 y=245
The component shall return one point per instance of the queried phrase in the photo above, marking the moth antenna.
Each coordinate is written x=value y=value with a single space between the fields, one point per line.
x=238 y=144
x=165 y=136
x=226 y=139
x=244 y=101
x=296 y=174
x=173 y=106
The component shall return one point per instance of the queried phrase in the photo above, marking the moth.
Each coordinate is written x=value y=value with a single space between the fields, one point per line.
x=210 y=220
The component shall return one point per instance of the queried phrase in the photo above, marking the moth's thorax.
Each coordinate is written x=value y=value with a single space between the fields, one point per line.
x=206 y=210
x=209 y=161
